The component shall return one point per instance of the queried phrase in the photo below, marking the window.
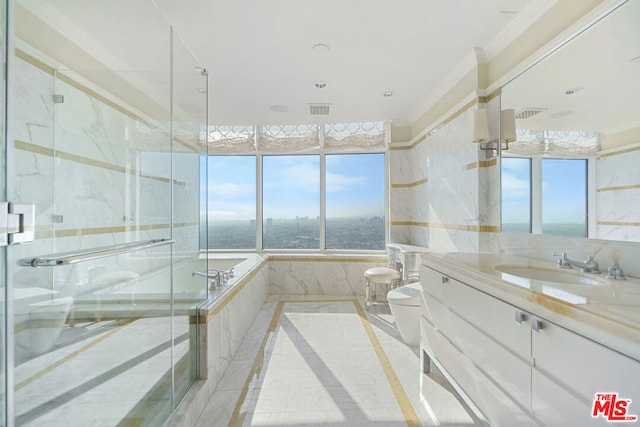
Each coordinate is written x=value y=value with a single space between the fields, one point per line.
x=288 y=204
x=544 y=195
x=516 y=195
x=232 y=202
x=355 y=201
x=291 y=202
x=564 y=197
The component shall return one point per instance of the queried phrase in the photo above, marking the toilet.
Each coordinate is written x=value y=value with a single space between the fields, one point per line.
x=404 y=303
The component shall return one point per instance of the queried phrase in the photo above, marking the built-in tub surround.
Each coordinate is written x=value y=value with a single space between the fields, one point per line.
x=442 y=185
x=607 y=313
x=223 y=322
x=341 y=275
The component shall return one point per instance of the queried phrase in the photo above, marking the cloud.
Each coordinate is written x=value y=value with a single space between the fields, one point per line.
x=514 y=187
x=230 y=190
x=337 y=182
x=301 y=177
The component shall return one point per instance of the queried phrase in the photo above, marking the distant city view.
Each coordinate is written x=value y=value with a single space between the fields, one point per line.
x=297 y=233
x=568 y=230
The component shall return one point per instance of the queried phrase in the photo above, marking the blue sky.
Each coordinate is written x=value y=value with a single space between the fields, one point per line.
x=563 y=190
x=354 y=183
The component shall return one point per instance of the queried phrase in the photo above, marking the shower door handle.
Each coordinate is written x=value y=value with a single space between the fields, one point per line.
x=17 y=223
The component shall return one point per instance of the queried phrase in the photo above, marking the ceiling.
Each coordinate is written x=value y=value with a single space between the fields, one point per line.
x=260 y=57
x=590 y=84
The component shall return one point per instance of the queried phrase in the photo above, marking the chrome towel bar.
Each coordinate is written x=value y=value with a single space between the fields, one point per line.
x=66 y=258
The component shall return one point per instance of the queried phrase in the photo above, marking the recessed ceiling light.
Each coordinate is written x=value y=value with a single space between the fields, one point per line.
x=320 y=84
x=388 y=93
x=573 y=90
x=320 y=48
x=279 y=108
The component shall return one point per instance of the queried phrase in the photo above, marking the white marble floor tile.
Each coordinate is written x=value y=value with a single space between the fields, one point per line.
x=319 y=368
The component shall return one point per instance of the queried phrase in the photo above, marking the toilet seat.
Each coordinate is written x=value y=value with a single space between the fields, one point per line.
x=408 y=295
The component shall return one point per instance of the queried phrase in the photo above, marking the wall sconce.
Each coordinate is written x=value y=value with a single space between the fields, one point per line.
x=481 y=129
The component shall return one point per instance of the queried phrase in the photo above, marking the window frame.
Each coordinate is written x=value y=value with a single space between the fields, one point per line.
x=322 y=248
x=535 y=188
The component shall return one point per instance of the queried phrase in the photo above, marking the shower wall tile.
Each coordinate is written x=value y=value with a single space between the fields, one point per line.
x=109 y=178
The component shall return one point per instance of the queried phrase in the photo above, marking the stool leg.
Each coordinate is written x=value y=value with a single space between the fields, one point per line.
x=367 y=294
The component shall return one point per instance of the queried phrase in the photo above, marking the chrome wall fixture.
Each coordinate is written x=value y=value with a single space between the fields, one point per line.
x=481 y=129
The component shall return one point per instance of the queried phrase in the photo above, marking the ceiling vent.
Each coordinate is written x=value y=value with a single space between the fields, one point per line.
x=527 y=113
x=319 y=109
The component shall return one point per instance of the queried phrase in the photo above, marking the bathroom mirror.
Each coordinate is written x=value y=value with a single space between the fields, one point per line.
x=573 y=170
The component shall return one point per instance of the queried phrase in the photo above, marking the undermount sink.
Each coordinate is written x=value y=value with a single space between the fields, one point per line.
x=553 y=275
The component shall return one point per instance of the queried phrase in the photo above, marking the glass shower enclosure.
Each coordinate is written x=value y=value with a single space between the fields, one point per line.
x=103 y=143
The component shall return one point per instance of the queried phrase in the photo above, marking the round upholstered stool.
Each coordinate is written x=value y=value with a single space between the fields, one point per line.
x=373 y=277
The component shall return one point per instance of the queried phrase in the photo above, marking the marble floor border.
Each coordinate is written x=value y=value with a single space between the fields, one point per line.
x=239 y=412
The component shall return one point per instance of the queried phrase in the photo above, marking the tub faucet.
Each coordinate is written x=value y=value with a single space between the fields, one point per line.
x=588 y=266
x=215 y=277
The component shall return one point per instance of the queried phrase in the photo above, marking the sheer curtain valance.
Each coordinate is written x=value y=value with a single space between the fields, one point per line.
x=357 y=136
x=555 y=143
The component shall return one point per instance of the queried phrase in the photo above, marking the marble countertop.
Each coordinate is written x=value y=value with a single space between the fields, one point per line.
x=607 y=312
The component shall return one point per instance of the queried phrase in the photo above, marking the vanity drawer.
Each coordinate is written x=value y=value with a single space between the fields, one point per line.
x=506 y=324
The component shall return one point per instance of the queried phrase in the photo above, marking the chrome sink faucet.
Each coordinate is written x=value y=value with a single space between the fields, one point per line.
x=588 y=266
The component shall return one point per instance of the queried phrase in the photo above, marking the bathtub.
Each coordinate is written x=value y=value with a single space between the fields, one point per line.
x=40 y=315
x=128 y=286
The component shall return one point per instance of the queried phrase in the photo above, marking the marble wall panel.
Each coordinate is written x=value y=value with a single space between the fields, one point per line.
x=32 y=105
x=619 y=169
x=605 y=252
x=459 y=199
x=402 y=204
x=106 y=171
x=403 y=234
x=618 y=195
x=318 y=277
x=401 y=166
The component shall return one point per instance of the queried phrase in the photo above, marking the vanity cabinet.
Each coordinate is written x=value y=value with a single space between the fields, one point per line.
x=518 y=368
x=568 y=371
x=482 y=343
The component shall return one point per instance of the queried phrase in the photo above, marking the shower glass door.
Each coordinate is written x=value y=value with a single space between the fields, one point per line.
x=107 y=150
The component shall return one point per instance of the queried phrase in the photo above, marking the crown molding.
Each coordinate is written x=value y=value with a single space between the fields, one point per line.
x=437 y=124
x=92 y=48
x=564 y=37
x=469 y=63
x=517 y=26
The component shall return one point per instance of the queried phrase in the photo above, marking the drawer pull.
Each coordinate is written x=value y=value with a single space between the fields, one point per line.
x=445 y=279
x=520 y=316
x=536 y=325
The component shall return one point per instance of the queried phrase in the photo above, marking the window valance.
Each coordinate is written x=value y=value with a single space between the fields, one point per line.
x=555 y=143
x=357 y=136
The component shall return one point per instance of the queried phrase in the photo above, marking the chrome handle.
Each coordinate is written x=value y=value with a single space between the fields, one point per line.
x=520 y=316
x=67 y=258
x=536 y=325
